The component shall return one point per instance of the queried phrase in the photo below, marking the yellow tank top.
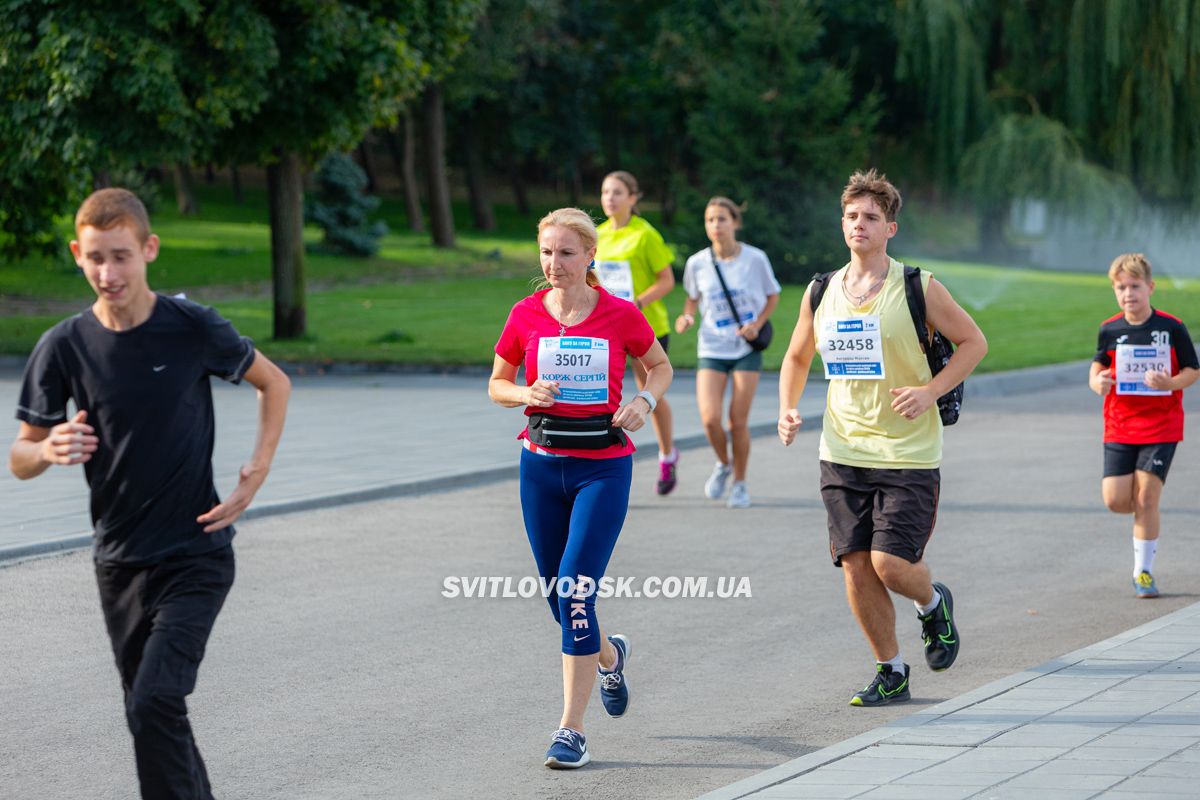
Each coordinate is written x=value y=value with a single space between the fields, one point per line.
x=860 y=427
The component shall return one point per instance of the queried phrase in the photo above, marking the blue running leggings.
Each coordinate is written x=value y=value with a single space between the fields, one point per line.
x=574 y=509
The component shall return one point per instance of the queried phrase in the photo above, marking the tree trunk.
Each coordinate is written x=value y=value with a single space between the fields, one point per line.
x=441 y=222
x=403 y=147
x=236 y=179
x=517 y=181
x=285 y=202
x=185 y=192
x=210 y=173
x=481 y=203
x=368 y=164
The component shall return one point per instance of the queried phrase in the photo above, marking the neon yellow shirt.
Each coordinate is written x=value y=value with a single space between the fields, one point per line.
x=628 y=261
x=860 y=427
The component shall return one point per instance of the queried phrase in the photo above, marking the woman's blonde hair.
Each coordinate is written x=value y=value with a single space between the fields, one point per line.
x=575 y=220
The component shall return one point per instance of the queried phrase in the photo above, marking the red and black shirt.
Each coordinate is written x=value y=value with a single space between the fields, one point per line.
x=1143 y=419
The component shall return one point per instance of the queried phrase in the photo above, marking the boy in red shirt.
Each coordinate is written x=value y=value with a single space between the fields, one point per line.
x=1144 y=360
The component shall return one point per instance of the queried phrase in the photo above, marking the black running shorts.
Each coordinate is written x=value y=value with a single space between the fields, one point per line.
x=890 y=510
x=1123 y=459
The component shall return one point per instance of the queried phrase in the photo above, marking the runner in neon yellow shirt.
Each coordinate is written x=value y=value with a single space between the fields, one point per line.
x=634 y=263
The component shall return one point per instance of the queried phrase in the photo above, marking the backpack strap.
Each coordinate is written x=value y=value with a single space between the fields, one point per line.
x=915 y=295
x=820 y=283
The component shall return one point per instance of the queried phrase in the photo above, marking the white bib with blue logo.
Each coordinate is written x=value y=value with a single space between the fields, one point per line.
x=852 y=348
x=579 y=364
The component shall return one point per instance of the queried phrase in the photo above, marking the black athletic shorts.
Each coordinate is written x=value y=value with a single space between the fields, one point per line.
x=1123 y=459
x=891 y=510
x=665 y=341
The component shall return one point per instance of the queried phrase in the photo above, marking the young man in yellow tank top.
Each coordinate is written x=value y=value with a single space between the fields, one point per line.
x=881 y=444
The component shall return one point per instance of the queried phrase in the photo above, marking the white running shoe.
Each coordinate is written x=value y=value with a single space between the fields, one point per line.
x=739 y=496
x=714 y=487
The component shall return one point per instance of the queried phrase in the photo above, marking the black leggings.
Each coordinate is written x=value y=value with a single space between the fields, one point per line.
x=159 y=617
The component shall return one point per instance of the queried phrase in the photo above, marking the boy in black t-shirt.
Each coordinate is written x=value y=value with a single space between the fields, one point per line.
x=1144 y=360
x=137 y=366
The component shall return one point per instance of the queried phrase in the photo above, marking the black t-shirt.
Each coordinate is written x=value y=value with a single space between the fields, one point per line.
x=147 y=394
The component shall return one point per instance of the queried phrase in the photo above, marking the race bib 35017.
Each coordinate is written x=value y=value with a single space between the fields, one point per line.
x=579 y=364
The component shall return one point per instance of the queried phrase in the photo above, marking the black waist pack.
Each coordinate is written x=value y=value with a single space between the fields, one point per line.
x=582 y=433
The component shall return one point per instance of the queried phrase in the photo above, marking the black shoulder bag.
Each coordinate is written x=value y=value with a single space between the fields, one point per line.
x=763 y=340
x=937 y=348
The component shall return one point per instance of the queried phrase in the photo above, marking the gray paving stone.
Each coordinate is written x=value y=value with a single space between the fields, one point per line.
x=950 y=776
x=870 y=770
x=914 y=751
x=791 y=791
x=1154 y=786
x=950 y=732
x=1039 y=780
x=1024 y=793
x=917 y=792
x=1115 y=766
x=1051 y=734
x=1173 y=768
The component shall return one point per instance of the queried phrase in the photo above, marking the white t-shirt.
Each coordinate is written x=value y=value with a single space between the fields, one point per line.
x=750 y=280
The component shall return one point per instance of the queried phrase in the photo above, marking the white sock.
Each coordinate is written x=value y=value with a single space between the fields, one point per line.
x=897 y=664
x=669 y=459
x=923 y=610
x=1143 y=555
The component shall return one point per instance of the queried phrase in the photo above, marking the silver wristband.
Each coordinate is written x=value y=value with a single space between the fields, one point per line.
x=649 y=398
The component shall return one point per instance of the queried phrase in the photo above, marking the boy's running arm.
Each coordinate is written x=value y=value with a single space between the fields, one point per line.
x=1100 y=378
x=1173 y=383
x=793 y=373
x=36 y=448
x=970 y=346
x=274 y=388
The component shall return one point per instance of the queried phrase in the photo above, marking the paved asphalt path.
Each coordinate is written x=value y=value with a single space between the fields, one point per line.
x=338 y=670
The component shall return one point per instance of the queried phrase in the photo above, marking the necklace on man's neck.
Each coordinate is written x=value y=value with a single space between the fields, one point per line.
x=859 y=299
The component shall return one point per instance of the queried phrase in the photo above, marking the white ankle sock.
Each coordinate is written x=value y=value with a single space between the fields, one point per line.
x=923 y=610
x=1143 y=555
x=671 y=459
x=897 y=664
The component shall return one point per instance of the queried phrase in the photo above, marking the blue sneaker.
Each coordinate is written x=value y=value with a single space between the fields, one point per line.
x=568 y=750
x=614 y=692
x=1143 y=586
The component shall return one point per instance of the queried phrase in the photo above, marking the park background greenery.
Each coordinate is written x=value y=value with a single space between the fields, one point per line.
x=1088 y=107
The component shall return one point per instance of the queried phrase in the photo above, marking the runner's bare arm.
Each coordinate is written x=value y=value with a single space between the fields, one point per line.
x=503 y=390
x=970 y=345
x=274 y=389
x=688 y=317
x=793 y=373
x=661 y=287
x=36 y=448
x=659 y=374
x=750 y=330
x=1173 y=383
x=1100 y=378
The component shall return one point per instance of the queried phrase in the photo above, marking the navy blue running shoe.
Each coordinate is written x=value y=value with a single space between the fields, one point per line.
x=614 y=692
x=568 y=750
x=888 y=686
x=939 y=632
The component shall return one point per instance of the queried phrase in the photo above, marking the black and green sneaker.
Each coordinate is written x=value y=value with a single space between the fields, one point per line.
x=889 y=686
x=939 y=632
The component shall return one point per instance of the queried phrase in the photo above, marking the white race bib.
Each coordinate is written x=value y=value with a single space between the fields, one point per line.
x=852 y=348
x=580 y=366
x=1135 y=360
x=617 y=278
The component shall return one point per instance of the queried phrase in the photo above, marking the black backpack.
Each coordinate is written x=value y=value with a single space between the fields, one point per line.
x=937 y=348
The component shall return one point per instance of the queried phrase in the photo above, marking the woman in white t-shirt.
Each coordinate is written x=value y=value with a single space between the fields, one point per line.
x=724 y=341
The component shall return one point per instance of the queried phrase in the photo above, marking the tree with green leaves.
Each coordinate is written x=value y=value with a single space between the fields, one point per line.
x=1078 y=103
x=778 y=128
x=98 y=88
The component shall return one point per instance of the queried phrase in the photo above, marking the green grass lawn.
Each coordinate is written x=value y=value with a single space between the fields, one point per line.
x=417 y=304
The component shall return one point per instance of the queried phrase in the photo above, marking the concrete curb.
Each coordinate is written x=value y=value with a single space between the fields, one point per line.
x=799 y=766
x=997 y=384
x=444 y=483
